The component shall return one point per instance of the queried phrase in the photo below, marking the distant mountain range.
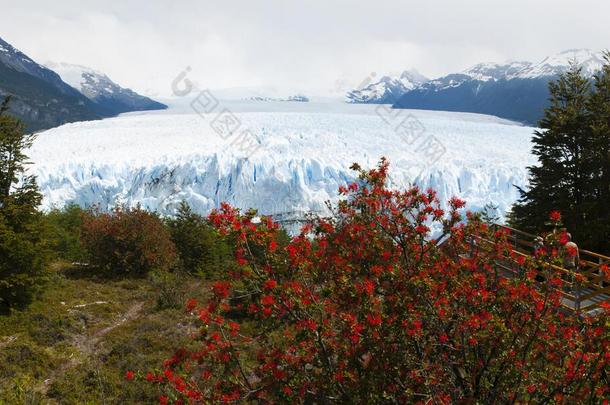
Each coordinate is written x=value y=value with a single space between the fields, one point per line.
x=43 y=98
x=98 y=88
x=299 y=98
x=513 y=90
x=388 y=89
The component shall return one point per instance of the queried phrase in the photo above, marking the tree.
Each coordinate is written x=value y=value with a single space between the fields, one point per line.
x=23 y=236
x=568 y=152
x=200 y=248
x=599 y=105
x=365 y=307
x=65 y=227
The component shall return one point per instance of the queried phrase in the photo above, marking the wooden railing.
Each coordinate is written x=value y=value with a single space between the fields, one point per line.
x=583 y=296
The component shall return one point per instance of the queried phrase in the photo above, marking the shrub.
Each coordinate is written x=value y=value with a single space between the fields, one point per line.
x=127 y=241
x=170 y=289
x=365 y=307
x=65 y=226
x=200 y=248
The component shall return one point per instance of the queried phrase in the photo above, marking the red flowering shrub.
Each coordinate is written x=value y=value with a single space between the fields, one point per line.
x=365 y=307
x=127 y=240
x=555 y=216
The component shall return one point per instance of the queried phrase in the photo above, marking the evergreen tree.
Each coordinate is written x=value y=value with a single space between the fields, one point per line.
x=65 y=227
x=200 y=248
x=572 y=174
x=23 y=240
x=600 y=127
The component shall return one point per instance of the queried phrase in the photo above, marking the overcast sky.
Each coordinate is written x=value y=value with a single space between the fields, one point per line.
x=313 y=45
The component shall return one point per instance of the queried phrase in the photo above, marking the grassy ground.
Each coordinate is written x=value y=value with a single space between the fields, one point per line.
x=75 y=343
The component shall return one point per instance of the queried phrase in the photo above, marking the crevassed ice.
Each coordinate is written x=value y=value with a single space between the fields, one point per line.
x=160 y=159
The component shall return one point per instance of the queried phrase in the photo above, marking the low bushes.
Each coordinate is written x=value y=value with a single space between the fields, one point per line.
x=127 y=241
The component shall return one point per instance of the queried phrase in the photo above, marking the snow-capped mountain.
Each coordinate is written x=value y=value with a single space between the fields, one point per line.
x=483 y=72
x=20 y=62
x=39 y=96
x=298 y=162
x=97 y=87
x=387 y=90
x=43 y=99
x=590 y=62
x=552 y=66
x=513 y=90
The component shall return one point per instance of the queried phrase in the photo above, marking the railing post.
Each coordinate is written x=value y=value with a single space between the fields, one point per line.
x=472 y=242
x=577 y=295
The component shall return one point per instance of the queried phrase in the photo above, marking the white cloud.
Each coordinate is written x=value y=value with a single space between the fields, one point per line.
x=289 y=43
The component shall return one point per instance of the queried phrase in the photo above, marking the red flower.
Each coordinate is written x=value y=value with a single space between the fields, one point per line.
x=204 y=315
x=234 y=328
x=221 y=289
x=555 y=216
x=377 y=270
x=374 y=319
x=267 y=300
x=270 y=284
x=571 y=251
x=191 y=304
x=457 y=203
x=369 y=287
x=129 y=375
x=163 y=400
x=422 y=229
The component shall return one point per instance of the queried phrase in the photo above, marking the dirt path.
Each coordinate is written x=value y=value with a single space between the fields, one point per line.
x=88 y=344
x=7 y=340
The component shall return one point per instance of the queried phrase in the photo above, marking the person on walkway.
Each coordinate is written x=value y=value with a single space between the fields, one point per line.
x=571 y=262
x=539 y=252
x=571 y=257
x=539 y=249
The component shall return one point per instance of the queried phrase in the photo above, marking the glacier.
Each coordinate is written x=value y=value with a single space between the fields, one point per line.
x=303 y=155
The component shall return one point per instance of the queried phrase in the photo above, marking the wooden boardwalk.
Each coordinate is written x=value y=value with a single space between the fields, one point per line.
x=582 y=297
